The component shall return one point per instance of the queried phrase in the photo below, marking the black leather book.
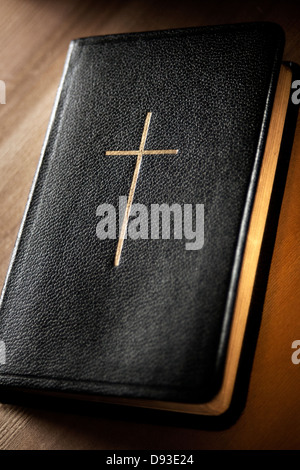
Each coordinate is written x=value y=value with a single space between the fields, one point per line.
x=133 y=271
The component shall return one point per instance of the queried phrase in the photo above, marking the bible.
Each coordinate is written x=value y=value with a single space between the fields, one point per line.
x=133 y=271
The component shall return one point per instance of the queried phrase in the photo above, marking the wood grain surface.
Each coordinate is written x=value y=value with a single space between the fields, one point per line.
x=34 y=38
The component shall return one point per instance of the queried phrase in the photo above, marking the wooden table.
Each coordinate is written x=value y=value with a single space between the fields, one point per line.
x=34 y=38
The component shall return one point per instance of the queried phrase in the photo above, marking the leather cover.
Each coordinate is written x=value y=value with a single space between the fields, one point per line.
x=157 y=325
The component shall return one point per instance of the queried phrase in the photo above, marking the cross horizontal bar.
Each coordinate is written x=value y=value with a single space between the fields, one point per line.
x=145 y=152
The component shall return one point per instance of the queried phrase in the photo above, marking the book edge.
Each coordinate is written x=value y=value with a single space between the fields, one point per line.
x=37 y=172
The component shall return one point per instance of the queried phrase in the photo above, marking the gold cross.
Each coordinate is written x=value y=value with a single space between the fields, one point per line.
x=139 y=154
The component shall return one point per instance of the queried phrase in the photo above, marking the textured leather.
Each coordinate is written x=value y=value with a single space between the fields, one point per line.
x=157 y=326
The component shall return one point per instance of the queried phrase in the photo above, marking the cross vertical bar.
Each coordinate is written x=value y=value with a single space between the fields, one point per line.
x=132 y=190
